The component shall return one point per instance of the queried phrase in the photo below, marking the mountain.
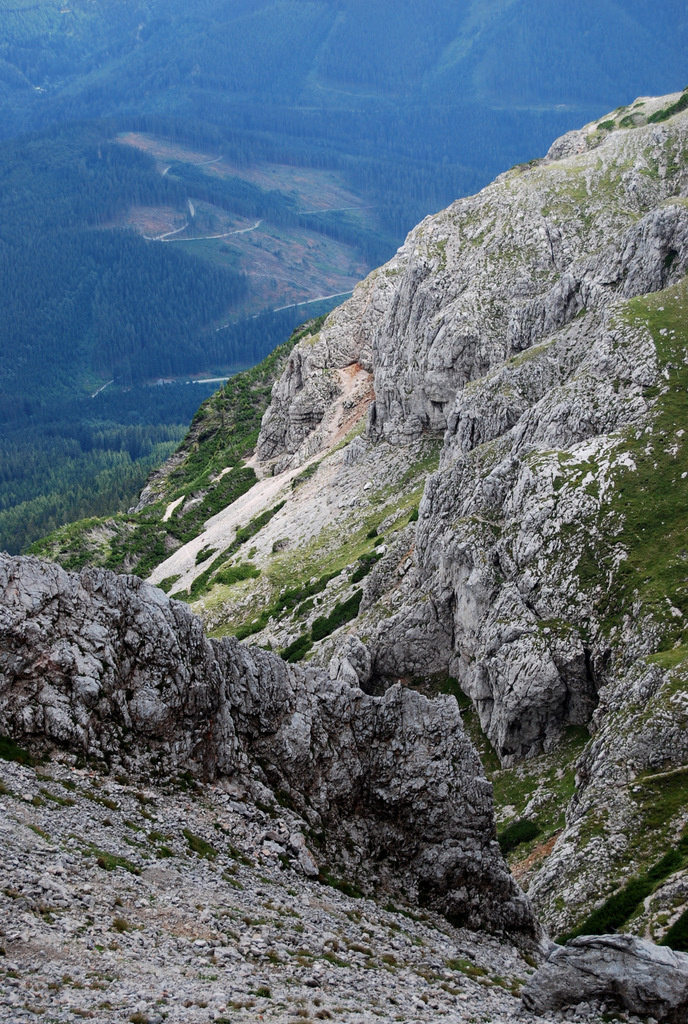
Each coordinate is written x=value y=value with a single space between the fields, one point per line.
x=468 y=481
x=170 y=174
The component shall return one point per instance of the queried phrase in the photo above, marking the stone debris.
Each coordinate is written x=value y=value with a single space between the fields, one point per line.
x=182 y=903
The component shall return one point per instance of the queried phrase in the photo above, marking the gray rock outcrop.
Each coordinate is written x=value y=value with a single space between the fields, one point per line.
x=538 y=328
x=632 y=974
x=497 y=324
x=109 y=667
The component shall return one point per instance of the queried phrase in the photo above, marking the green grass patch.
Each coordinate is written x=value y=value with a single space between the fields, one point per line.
x=661 y=798
x=104 y=801
x=144 y=542
x=199 y=846
x=307 y=474
x=466 y=967
x=10 y=751
x=208 y=577
x=235 y=574
x=285 y=603
x=552 y=775
x=245 y=533
x=342 y=613
x=644 y=512
x=349 y=888
x=111 y=861
x=62 y=801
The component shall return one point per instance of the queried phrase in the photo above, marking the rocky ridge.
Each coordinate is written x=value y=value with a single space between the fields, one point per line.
x=540 y=328
x=108 y=666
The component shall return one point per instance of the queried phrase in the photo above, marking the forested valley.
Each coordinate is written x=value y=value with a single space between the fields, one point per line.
x=285 y=147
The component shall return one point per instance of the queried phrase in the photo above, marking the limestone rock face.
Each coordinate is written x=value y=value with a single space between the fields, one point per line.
x=111 y=668
x=497 y=323
x=641 y=978
x=310 y=384
x=538 y=328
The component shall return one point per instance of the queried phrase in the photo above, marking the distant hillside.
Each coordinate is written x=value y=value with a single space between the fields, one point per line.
x=427 y=105
x=206 y=473
x=276 y=150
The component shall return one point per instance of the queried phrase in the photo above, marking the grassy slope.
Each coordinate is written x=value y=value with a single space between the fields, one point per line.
x=222 y=434
x=316 y=580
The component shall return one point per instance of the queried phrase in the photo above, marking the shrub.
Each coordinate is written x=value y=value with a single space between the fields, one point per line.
x=677 y=936
x=298 y=649
x=204 y=554
x=245 y=533
x=168 y=583
x=9 y=751
x=365 y=564
x=675 y=108
x=518 y=832
x=341 y=613
x=235 y=573
x=615 y=911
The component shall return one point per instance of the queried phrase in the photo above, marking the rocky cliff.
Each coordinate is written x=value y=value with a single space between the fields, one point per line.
x=473 y=479
x=109 y=667
x=539 y=328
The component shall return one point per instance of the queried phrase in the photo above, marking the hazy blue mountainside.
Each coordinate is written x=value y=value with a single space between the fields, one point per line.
x=282 y=149
x=473 y=86
x=87 y=303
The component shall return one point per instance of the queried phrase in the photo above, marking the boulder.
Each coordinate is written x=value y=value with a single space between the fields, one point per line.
x=648 y=980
